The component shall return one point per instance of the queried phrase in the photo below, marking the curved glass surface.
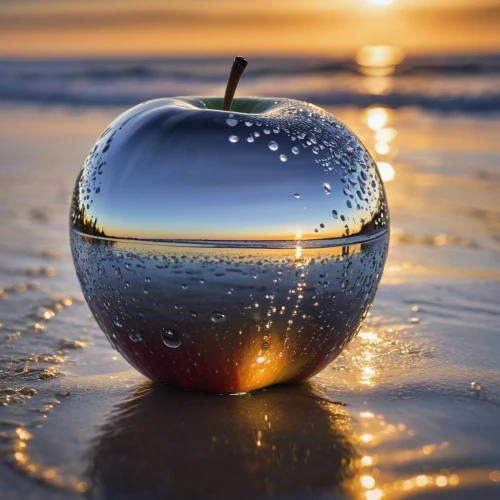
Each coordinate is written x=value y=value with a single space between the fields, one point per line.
x=271 y=170
x=227 y=319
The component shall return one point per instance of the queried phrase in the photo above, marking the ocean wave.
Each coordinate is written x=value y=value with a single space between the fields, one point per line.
x=453 y=84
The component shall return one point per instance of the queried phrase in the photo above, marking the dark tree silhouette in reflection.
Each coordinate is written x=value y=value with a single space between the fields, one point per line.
x=83 y=223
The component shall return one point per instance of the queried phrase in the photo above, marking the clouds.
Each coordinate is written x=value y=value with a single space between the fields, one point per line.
x=78 y=28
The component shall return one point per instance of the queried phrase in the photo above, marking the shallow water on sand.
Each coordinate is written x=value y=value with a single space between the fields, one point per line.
x=409 y=410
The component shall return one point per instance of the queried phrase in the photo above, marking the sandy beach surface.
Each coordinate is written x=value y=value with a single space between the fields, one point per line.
x=411 y=409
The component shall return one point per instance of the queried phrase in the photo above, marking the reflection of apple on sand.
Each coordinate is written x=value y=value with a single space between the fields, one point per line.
x=163 y=443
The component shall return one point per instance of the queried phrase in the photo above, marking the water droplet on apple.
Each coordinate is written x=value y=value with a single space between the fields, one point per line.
x=250 y=138
x=232 y=122
x=185 y=287
x=273 y=145
x=322 y=226
x=233 y=138
x=283 y=157
x=327 y=188
x=218 y=317
x=170 y=339
x=296 y=196
x=295 y=150
x=135 y=337
x=348 y=203
x=267 y=131
x=193 y=314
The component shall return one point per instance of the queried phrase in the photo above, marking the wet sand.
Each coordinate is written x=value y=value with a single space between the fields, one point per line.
x=409 y=410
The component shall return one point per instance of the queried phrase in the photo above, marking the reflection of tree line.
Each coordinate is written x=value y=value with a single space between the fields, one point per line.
x=369 y=227
x=79 y=218
x=84 y=223
x=88 y=225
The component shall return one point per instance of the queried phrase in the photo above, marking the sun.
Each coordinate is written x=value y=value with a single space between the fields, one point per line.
x=381 y=2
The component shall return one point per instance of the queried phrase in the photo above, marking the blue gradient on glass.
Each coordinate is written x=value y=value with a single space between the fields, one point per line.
x=167 y=170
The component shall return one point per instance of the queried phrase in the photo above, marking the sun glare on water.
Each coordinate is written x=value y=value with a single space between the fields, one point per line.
x=386 y=171
x=381 y=2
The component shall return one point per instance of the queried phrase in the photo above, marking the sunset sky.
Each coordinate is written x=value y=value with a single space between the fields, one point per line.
x=40 y=28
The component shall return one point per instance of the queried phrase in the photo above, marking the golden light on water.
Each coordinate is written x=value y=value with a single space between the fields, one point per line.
x=441 y=481
x=24 y=463
x=379 y=60
x=382 y=148
x=385 y=135
x=366 y=438
x=367 y=481
x=386 y=171
x=376 y=118
x=377 y=85
x=381 y=2
x=374 y=494
x=23 y=434
x=54 y=28
x=421 y=480
x=375 y=478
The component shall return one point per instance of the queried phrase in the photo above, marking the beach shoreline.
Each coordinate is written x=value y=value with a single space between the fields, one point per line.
x=419 y=388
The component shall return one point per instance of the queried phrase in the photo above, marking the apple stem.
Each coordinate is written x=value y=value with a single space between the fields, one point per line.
x=239 y=65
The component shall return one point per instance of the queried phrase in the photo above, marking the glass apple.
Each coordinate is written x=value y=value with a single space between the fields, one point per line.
x=228 y=251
